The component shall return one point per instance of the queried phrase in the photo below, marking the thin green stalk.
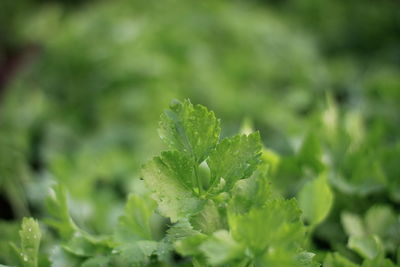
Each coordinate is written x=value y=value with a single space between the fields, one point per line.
x=198 y=181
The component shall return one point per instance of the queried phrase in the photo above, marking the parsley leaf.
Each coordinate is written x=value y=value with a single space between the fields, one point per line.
x=235 y=158
x=30 y=236
x=190 y=129
x=163 y=176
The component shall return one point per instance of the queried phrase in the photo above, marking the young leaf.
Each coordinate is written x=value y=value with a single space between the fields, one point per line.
x=180 y=166
x=315 y=200
x=249 y=193
x=235 y=158
x=367 y=246
x=175 y=200
x=190 y=129
x=136 y=253
x=352 y=224
x=336 y=260
x=177 y=232
x=209 y=219
x=278 y=221
x=133 y=233
x=74 y=240
x=221 y=248
x=61 y=258
x=135 y=223
x=189 y=246
x=98 y=261
x=30 y=240
x=57 y=207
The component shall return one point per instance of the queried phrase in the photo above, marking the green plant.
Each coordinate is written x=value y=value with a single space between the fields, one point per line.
x=211 y=202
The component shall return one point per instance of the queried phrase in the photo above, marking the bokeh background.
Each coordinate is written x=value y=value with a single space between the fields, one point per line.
x=82 y=85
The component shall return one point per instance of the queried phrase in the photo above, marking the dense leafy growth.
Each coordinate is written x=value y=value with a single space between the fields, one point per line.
x=83 y=84
x=220 y=207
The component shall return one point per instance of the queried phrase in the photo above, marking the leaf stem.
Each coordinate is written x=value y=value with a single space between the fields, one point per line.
x=198 y=181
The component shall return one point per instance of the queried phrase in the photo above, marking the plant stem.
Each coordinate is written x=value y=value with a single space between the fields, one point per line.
x=196 y=174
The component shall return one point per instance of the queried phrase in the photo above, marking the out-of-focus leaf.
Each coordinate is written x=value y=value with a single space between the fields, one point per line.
x=220 y=248
x=30 y=236
x=315 y=200
x=336 y=260
x=367 y=246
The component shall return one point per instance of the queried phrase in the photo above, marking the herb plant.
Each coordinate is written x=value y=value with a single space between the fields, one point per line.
x=210 y=201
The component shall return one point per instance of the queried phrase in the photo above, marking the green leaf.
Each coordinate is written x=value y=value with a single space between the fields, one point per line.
x=306 y=259
x=250 y=193
x=179 y=231
x=382 y=221
x=174 y=199
x=208 y=220
x=30 y=236
x=280 y=257
x=57 y=207
x=235 y=158
x=315 y=200
x=220 y=248
x=135 y=223
x=353 y=225
x=190 y=245
x=135 y=242
x=367 y=246
x=98 y=261
x=190 y=129
x=310 y=154
x=278 y=221
x=61 y=258
x=74 y=240
x=136 y=253
x=336 y=260
x=379 y=261
x=180 y=166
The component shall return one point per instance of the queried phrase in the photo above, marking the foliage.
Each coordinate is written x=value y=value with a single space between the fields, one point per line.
x=318 y=80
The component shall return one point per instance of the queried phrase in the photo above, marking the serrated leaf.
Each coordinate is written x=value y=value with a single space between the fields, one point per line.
x=180 y=166
x=134 y=224
x=279 y=257
x=190 y=129
x=315 y=200
x=306 y=259
x=133 y=233
x=235 y=158
x=250 y=193
x=208 y=220
x=30 y=236
x=278 y=221
x=179 y=231
x=137 y=253
x=85 y=245
x=190 y=245
x=174 y=199
x=220 y=248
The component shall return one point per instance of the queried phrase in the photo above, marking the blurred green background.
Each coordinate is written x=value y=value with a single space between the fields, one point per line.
x=82 y=85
